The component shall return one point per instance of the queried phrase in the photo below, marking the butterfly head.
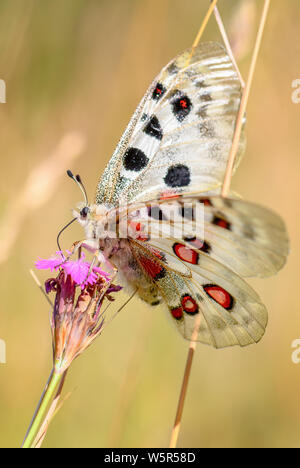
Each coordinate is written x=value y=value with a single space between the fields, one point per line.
x=98 y=221
x=84 y=212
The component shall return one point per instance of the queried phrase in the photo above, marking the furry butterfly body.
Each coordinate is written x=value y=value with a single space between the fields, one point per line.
x=173 y=153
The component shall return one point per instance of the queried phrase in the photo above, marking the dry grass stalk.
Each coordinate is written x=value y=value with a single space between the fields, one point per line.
x=225 y=190
x=244 y=101
x=192 y=346
x=227 y=43
x=241 y=28
x=184 y=386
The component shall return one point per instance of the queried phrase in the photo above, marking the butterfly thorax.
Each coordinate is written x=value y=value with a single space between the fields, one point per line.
x=97 y=220
x=108 y=226
x=111 y=231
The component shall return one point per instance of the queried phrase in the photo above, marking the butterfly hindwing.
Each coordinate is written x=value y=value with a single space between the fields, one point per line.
x=248 y=237
x=190 y=273
x=213 y=305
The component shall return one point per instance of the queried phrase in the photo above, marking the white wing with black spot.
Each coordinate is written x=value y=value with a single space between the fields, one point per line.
x=179 y=138
x=207 y=300
x=251 y=239
x=212 y=305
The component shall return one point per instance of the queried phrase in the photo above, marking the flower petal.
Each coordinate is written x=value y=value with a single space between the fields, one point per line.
x=78 y=270
x=51 y=263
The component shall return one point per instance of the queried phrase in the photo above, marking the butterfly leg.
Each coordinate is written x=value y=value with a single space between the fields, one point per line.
x=89 y=246
x=227 y=44
x=98 y=256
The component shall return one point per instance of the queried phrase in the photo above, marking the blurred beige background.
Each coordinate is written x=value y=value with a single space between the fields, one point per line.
x=82 y=66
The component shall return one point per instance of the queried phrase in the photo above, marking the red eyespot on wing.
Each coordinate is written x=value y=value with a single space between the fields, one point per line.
x=135 y=226
x=143 y=237
x=153 y=269
x=219 y=295
x=186 y=254
x=157 y=253
x=221 y=223
x=189 y=305
x=205 y=201
x=177 y=313
x=158 y=92
x=139 y=231
x=181 y=107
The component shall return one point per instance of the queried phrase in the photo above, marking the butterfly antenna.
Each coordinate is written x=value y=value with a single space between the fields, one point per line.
x=62 y=230
x=78 y=181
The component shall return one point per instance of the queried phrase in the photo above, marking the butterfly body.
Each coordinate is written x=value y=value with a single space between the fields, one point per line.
x=113 y=239
x=169 y=163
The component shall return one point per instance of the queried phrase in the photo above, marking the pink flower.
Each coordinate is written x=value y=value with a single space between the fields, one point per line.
x=81 y=271
x=54 y=262
x=77 y=318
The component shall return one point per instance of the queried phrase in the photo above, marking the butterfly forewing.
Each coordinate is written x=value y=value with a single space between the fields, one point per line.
x=180 y=136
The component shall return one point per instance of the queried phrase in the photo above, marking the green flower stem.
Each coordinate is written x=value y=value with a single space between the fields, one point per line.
x=41 y=411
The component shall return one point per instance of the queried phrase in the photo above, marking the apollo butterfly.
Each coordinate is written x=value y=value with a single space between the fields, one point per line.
x=173 y=154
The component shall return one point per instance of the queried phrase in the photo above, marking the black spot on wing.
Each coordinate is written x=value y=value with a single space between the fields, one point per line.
x=221 y=222
x=172 y=69
x=202 y=112
x=156 y=302
x=200 y=83
x=207 y=129
x=248 y=231
x=227 y=202
x=153 y=128
x=206 y=248
x=198 y=244
x=134 y=159
x=206 y=97
x=158 y=91
x=156 y=213
x=181 y=107
x=161 y=274
x=178 y=176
